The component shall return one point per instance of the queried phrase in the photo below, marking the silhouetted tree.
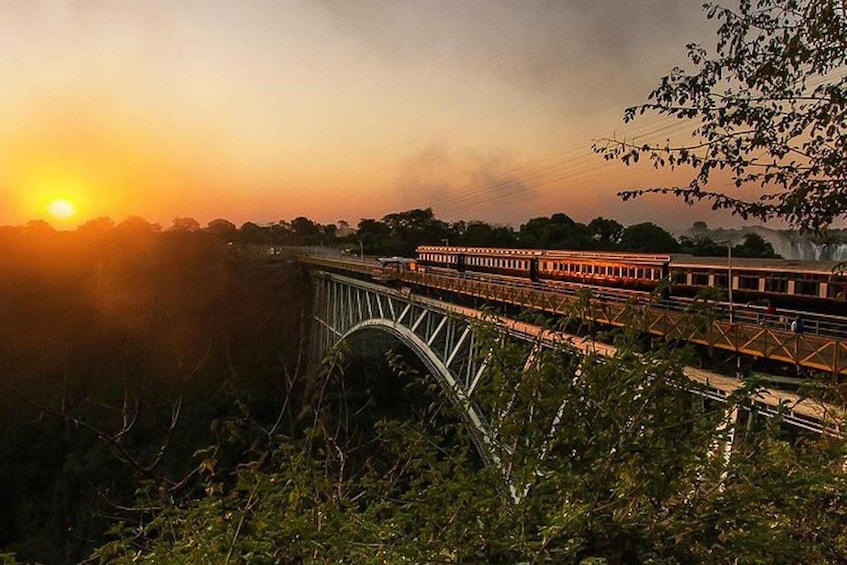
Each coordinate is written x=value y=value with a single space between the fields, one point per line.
x=415 y=227
x=186 y=224
x=374 y=235
x=253 y=233
x=97 y=225
x=605 y=231
x=558 y=231
x=754 y=245
x=221 y=227
x=39 y=228
x=648 y=237
x=699 y=227
x=768 y=106
x=701 y=246
x=479 y=233
x=305 y=231
x=137 y=224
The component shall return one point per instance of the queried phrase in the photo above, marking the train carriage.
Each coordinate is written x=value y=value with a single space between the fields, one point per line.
x=781 y=281
x=630 y=270
x=508 y=262
x=816 y=285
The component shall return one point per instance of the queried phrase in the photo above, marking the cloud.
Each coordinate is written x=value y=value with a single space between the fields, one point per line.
x=463 y=184
x=553 y=46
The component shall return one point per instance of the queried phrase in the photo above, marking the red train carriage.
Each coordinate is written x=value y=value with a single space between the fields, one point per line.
x=628 y=270
x=815 y=285
x=818 y=285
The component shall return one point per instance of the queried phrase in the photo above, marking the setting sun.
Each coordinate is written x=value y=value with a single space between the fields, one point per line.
x=61 y=208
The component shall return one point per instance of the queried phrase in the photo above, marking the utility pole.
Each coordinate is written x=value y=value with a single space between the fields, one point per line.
x=729 y=269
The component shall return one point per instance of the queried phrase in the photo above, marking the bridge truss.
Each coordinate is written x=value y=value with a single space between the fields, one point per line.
x=444 y=337
x=816 y=352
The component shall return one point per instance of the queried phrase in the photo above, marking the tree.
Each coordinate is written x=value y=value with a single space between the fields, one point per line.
x=416 y=227
x=305 y=231
x=96 y=226
x=648 y=237
x=701 y=246
x=186 y=224
x=628 y=473
x=39 y=228
x=558 y=231
x=137 y=224
x=477 y=233
x=221 y=227
x=250 y=232
x=769 y=106
x=699 y=227
x=606 y=232
x=754 y=245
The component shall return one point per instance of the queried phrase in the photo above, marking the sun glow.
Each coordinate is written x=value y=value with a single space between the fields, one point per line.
x=61 y=208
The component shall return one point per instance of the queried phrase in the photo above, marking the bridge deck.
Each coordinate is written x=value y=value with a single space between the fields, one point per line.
x=821 y=353
x=796 y=410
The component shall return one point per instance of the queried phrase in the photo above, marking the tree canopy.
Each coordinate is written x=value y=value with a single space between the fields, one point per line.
x=769 y=106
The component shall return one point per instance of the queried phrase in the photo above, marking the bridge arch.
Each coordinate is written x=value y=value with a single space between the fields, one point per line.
x=442 y=336
x=437 y=367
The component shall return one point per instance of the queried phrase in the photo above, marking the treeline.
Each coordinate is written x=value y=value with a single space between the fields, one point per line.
x=400 y=233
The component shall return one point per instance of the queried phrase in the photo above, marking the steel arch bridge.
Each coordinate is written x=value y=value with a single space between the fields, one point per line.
x=443 y=341
x=444 y=337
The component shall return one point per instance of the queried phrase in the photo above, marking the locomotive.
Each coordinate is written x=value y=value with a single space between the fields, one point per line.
x=819 y=286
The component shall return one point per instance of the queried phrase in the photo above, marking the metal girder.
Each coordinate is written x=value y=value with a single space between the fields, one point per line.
x=442 y=336
x=815 y=352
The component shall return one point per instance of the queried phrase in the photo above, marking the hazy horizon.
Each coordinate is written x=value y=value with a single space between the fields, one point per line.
x=263 y=110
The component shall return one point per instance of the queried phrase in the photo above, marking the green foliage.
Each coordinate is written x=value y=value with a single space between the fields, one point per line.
x=648 y=237
x=558 y=231
x=123 y=347
x=611 y=460
x=754 y=245
x=768 y=106
x=595 y=459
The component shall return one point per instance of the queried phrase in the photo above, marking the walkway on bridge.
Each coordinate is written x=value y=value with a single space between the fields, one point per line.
x=345 y=305
x=817 y=352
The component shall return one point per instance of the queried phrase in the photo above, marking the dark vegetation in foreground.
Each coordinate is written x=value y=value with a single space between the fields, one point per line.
x=117 y=352
x=155 y=409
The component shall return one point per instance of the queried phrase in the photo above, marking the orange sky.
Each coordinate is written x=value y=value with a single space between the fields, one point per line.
x=264 y=111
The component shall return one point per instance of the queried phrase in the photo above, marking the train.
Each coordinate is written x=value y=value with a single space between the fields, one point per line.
x=819 y=286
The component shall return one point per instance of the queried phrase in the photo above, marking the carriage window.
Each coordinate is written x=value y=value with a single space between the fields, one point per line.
x=837 y=290
x=700 y=279
x=807 y=286
x=777 y=283
x=748 y=281
x=679 y=277
x=722 y=280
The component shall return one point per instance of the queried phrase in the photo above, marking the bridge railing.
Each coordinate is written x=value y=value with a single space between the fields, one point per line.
x=703 y=323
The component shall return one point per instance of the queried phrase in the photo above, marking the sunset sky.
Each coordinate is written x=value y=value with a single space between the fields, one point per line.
x=333 y=109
